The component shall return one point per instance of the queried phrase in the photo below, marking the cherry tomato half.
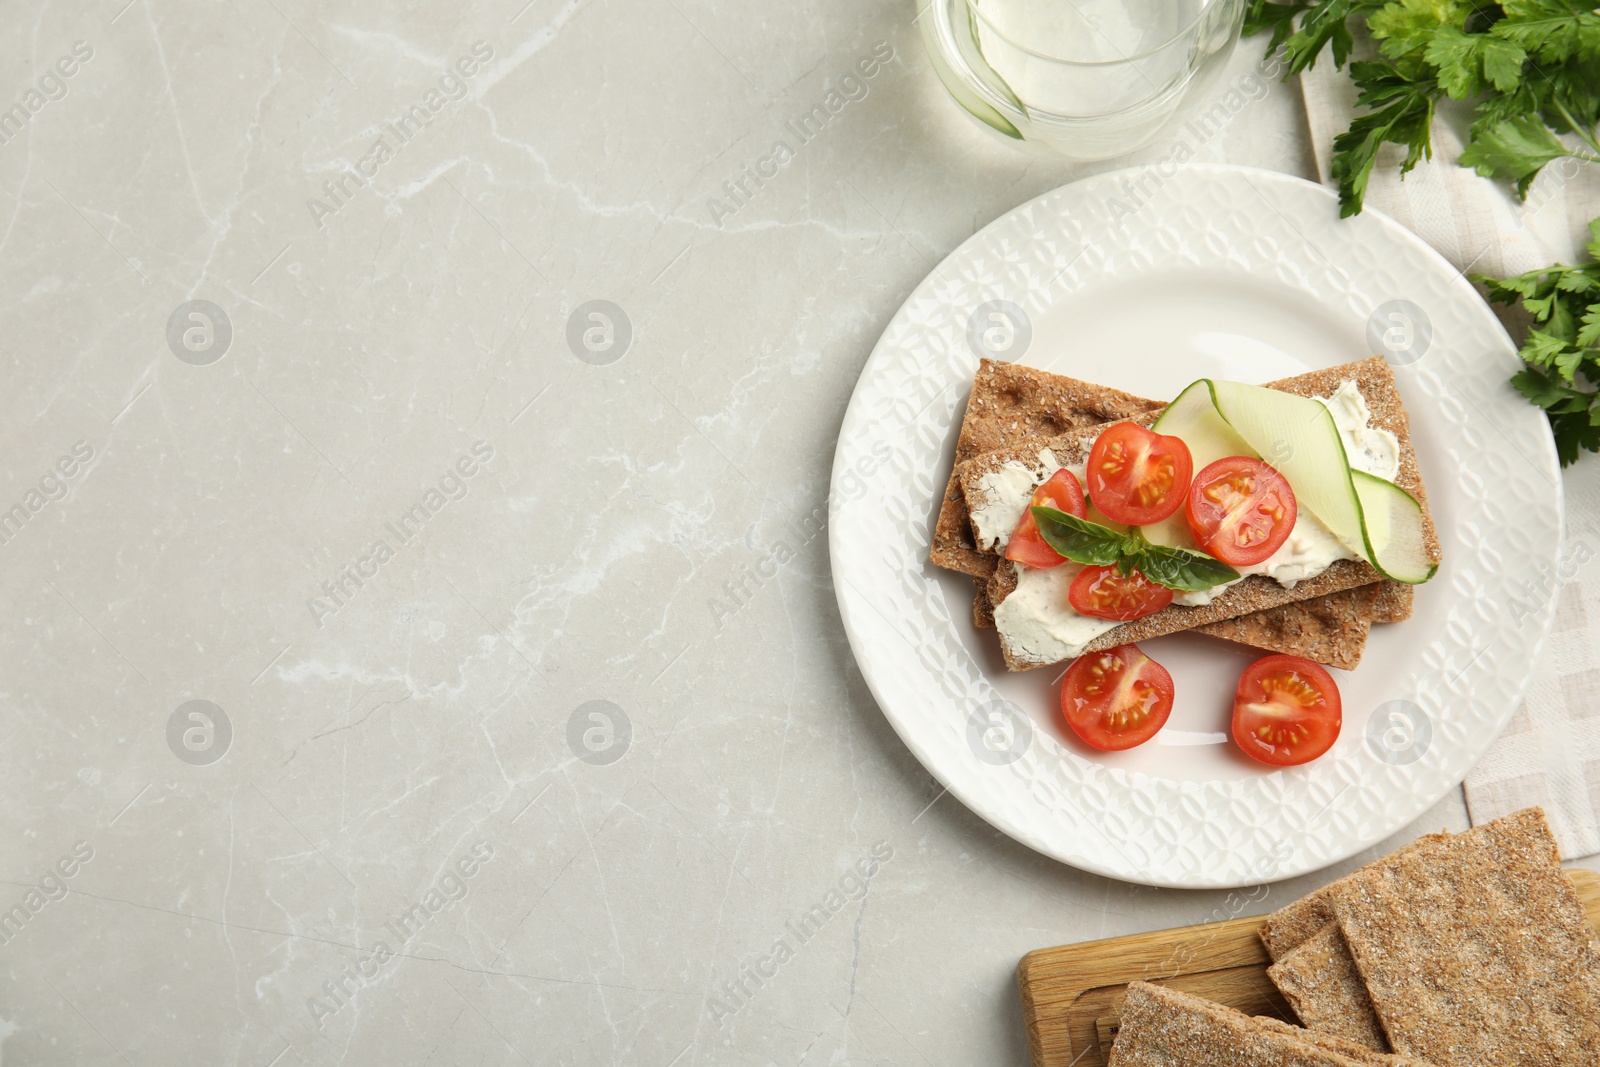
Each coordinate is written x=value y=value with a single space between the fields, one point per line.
x=1287 y=711
x=1107 y=593
x=1137 y=476
x=1116 y=699
x=1240 y=510
x=1063 y=492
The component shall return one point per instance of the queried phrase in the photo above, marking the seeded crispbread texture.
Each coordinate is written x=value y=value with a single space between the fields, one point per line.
x=1330 y=629
x=1162 y=1027
x=1320 y=981
x=1256 y=593
x=1393 y=602
x=1012 y=404
x=1476 y=950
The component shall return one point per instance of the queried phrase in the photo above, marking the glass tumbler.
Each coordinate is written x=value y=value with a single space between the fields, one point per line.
x=1092 y=79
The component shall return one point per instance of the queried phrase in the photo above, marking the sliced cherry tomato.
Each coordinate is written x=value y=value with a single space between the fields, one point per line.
x=1240 y=510
x=1287 y=711
x=1064 y=493
x=1116 y=699
x=1137 y=476
x=1107 y=593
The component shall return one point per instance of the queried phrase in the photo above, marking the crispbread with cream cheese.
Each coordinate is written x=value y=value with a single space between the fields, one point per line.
x=1015 y=406
x=1012 y=404
x=1329 y=629
x=1476 y=950
x=1320 y=981
x=1372 y=378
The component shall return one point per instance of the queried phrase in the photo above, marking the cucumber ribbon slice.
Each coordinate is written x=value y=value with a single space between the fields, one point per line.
x=1297 y=435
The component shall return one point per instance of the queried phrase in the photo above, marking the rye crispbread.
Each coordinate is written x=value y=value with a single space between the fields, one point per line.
x=1359 y=1053
x=1320 y=981
x=982 y=612
x=1393 y=602
x=1010 y=405
x=1162 y=1027
x=1256 y=593
x=1476 y=950
x=1329 y=629
x=1293 y=925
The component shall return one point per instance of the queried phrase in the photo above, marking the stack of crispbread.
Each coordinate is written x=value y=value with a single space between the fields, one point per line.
x=1464 y=950
x=1015 y=412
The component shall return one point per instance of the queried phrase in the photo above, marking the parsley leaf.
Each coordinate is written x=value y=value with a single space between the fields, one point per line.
x=1402 y=112
x=1323 y=25
x=1562 y=348
x=1518 y=149
x=1261 y=16
x=1468 y=62
x=1412 y=25
x=1589 y=335
x=1550 y=29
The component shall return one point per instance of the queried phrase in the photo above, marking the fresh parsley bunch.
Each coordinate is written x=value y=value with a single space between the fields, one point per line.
x=1094 y=545
x=1562 y=351
x=1530 y=68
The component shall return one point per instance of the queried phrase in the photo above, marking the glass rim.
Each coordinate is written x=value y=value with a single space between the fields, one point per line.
x=973 y=6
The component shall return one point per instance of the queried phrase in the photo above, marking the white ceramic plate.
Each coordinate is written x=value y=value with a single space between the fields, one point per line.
x=1146 y=282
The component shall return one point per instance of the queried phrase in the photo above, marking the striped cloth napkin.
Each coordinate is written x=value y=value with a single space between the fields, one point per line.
x=1549 y=755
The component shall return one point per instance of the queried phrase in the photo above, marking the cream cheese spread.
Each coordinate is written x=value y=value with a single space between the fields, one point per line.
x=1369 y=448
x=1005 y=494
x=1037 y=618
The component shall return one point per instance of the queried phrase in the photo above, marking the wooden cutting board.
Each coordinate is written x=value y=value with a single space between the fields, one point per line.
x=1072 y=995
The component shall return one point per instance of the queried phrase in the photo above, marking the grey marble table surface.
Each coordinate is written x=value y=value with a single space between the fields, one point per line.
x=388 y=676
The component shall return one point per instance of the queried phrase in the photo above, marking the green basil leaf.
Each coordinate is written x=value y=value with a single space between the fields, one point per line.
x=1078 y=539
x=1181 y=569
